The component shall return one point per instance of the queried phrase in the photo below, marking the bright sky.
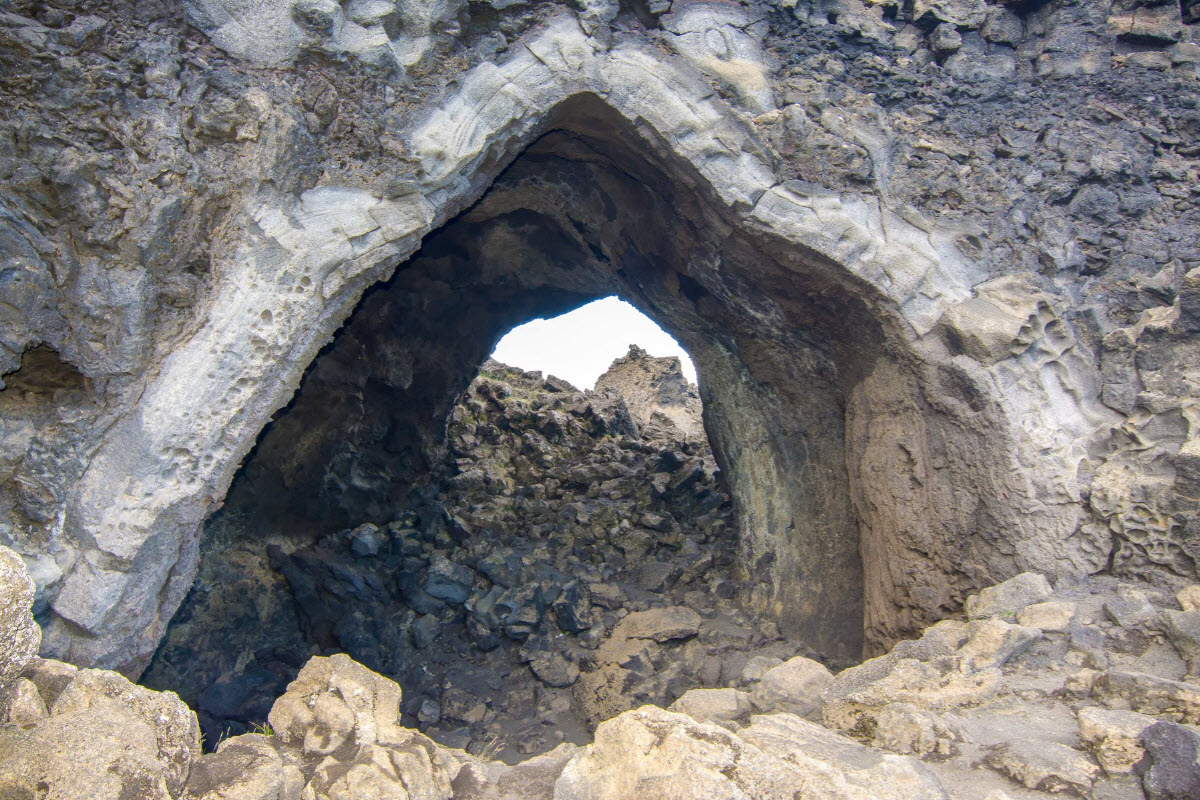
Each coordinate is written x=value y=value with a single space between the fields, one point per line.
x=579 y=346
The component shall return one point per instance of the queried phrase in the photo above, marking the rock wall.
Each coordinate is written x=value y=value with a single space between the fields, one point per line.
x=935 y=262
x=655 y=389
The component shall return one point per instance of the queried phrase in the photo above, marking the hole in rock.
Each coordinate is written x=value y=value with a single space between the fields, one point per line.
x=581 y=345
x=42 y=374
x=527 y=559
x=569 y=555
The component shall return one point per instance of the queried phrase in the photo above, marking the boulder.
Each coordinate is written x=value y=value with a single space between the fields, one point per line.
x=1171 y=769
x=1047 y=617
x=720 y=706
x=1112 y=737
x=1189 y=597
x=448 y=581
x=413 y=770
x=554 y=669
x=51 y=677
x=19 y=634
x=756 y=667
x=659 y=624
x=106 y=752
x=839 y=766
x=1131 y=608
x=1044 y=766
x=24 y=703
x=95 y=692
x=1183 y=629
x=367 y=540
x=1007 y=598
x=904 y=728
x=992 y=642
x=1178 y=701
x=651 y=753
x=924 y=673
x=335 y=701
x=248 y=767
x=794 y=686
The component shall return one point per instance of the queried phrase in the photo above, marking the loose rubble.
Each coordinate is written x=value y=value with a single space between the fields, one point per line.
x=892 y=728
x=572 y=560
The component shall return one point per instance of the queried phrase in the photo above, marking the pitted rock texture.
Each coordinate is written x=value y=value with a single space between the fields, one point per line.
x=936 y=262
x=566 y=563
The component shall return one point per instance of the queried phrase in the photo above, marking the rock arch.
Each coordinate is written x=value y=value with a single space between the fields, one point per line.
x=936 y=482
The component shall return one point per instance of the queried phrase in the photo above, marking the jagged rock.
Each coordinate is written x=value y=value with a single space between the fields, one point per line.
x=840 y=766
x=992 y=642
x=903 y=728
x=1171 y=768
x=654 y=751
x=248 y=767
x=51 y=677
x=138 y=742
x=413 y=770
x=1007 y=598
x=448 y=581
x=1183 y=629
x=1131 y=608
x=554 y=670
x=719 y=706
x=1112 y=736
x=335 y=700
x=964 y=13
x=366 y=540
x=1045 y=766
x=122 y=757
x=659 y=624
x=925 y=673
x=756 y=667
x=1049 y=617
x=24 y=703
x=19 y=634
x=1189 y=597
x=794 y=686
x=1177 y=700
x=650 y=386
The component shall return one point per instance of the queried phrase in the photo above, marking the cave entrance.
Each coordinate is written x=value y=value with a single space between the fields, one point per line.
x=815 y=405
x=548 y=521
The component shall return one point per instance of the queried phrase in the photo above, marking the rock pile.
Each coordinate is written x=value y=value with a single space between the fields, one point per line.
x=1095 y=704
x=572 y=560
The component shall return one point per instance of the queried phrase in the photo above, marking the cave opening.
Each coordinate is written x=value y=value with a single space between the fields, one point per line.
x=799 y=365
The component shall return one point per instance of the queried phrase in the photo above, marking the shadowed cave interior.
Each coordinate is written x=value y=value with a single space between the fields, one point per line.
x=485 y=553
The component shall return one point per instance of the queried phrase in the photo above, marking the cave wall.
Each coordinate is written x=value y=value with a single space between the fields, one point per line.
x=196 y=200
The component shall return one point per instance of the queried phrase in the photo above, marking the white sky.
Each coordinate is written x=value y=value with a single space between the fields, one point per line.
x=579 y=346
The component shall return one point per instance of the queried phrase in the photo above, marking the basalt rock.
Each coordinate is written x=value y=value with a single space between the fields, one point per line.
x=338 y=732
x=936 y=262
x=556 y=568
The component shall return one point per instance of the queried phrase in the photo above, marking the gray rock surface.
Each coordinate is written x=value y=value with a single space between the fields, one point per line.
x=1171 y=770
x=937 y=263
x=21 y=636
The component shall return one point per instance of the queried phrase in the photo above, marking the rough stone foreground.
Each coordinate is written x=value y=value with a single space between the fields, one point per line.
x=936 y=261
x=981 y=707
